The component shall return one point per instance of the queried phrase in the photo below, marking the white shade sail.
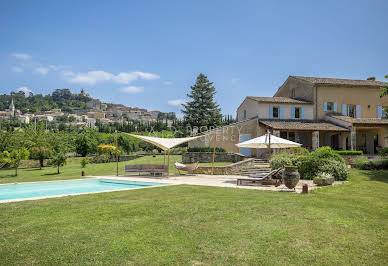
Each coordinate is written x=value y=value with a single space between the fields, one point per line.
x=164 y=143
x=267 y=139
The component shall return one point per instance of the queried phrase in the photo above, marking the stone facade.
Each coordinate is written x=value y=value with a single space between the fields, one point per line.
x=231 y=169
x=207 y=157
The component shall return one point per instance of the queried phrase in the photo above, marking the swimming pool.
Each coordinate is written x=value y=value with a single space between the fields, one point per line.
x=31 y=190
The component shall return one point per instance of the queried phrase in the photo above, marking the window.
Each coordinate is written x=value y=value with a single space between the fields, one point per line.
x=297 y=112
x=384 y=112
x=275 y=112
x=293 y=93
x=330 y=107
x=351 y=110
x=244 y=115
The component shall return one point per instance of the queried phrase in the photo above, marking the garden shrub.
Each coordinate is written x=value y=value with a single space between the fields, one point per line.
x=308 y=166
x=327 y=153
x=297 y=151
x=380 y=164
x=350 y=152
x=205 y=149
x=363 y=163
x=84 y=162
x=282 y=159
x=337 y=169
x=383 y=152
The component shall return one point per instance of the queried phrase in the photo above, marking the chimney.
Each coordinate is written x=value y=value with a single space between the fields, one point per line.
x=371 y=78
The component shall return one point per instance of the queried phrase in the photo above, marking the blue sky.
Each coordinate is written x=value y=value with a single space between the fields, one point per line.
x=148 y=53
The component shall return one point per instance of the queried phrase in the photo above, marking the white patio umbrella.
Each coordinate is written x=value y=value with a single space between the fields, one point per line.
x=268 y=141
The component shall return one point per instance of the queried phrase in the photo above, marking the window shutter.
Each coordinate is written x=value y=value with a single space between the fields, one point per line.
x=281 y=112
x=344 y=109
x=335 y=107
x=379 y=111
x=302 y=109
x=293 y=112
x=271 y=111
x=325 y=106
x=358 y=111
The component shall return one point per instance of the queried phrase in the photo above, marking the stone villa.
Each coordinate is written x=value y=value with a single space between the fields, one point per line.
x=342 y=113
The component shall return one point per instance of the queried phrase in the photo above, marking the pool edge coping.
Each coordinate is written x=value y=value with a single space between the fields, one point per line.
x=76 y=194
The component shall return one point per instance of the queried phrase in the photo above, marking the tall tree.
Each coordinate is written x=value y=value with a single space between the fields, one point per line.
x=202 y=111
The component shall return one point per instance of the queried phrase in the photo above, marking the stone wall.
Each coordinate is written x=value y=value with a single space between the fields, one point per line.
x=207 y=157
x=231 y=169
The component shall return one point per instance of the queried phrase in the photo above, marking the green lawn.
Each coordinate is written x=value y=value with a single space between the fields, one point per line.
x=73 y=169
x=342 y=225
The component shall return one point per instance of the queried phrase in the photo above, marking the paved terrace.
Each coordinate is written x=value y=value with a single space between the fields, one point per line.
x=215 y=181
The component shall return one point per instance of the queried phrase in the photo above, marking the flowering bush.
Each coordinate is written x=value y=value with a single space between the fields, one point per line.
x=106 y=149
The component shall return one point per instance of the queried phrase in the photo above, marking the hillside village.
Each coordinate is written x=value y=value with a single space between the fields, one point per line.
x=95 y=111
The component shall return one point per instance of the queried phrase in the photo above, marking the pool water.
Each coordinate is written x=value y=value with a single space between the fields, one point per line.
x=66 y=187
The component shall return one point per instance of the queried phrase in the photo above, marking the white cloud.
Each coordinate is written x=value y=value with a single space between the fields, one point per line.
x=17 y=69
x=42 y=70
x=26 y=90
x=93 y=77
x=167 y=82
x=58 y=67
x=132 y=89
x=21 y=56
x=176 y=102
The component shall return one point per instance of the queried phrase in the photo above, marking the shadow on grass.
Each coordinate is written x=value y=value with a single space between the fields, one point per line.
x=378 y=175
x=32 y=169
x=52 y=173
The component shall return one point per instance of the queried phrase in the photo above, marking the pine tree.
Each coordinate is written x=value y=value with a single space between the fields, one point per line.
x=202 y=111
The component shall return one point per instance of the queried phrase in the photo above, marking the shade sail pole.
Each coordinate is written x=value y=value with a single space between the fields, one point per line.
x=168 y=163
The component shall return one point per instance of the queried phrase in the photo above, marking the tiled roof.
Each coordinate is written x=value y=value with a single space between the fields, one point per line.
x=308 y=125
x=374 y=121
x=342 y=82
x=278 y=100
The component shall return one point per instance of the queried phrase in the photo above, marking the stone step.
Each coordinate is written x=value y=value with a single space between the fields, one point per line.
x=260 y=161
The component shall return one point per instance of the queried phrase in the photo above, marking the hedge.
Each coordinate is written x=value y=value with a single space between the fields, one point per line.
x=350 y=152
x=364 y=164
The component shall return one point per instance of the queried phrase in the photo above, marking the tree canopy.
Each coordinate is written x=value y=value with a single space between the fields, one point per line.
x=201 y=110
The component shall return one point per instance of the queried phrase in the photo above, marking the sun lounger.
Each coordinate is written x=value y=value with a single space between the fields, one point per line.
x=272 y=178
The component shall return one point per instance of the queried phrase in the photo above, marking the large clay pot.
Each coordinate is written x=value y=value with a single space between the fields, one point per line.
x=291 y=176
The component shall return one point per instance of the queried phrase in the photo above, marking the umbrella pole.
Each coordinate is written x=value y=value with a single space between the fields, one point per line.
x=269 y=145
x=168 y=163
x=214 y=152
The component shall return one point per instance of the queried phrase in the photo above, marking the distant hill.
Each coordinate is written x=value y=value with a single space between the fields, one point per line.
x=60 y=98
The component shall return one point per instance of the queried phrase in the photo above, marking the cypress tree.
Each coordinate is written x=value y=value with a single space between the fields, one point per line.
x=202 y=111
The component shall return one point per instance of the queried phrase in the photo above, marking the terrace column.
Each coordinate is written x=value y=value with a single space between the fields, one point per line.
x=353 y=139
x=315 y=140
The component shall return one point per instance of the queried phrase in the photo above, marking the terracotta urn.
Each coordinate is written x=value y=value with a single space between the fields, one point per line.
x=291 y=176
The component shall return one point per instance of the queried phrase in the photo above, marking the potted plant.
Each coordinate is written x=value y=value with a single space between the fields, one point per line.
x=291 y=176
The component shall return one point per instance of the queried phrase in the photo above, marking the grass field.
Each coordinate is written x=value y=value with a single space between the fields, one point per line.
x=341 y=225
x=73 y=169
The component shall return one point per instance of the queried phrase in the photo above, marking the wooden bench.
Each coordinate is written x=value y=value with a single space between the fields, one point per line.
x=153 y=169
